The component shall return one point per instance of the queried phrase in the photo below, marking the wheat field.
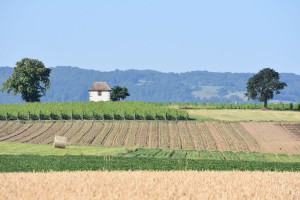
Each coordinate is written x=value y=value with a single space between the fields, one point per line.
x=150 y=185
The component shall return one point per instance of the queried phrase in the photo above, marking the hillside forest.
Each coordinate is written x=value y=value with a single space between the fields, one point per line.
x=72 y=83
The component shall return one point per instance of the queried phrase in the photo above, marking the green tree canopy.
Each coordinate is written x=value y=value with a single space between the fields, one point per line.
x=263 y=85
x=118 y=93
x=30 y=78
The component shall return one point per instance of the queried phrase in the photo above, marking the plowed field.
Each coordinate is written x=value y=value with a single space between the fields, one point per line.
x=150 y=185
x=273 y=137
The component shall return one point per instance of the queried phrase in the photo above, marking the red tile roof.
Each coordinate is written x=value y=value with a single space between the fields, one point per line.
x=99 y=86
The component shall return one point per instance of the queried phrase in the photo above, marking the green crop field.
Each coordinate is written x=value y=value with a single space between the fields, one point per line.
x=135 y=110
x=29 y=163
x=16 y=157
x=129 y=110
x=15 y=148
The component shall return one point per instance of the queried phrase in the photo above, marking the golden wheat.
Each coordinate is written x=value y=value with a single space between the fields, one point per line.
x=150 y=185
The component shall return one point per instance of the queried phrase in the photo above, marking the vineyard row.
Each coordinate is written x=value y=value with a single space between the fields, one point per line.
x=91 y=111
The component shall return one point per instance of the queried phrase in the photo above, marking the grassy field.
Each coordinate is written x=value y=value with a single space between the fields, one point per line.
x=14 y=148
x=244 y=115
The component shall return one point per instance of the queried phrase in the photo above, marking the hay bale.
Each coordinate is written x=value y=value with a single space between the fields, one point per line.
x=60 y=142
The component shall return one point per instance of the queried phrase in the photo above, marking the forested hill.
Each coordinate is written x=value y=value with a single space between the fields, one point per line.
x=72 y=83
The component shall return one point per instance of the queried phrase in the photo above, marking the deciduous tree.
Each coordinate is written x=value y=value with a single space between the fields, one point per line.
x=263 y=85
x=30 y=78
x=118 y=93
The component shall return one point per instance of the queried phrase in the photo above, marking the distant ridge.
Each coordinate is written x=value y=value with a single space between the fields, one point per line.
x=72 y=83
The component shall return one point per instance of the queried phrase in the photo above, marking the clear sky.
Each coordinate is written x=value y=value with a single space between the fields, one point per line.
x=163 y=35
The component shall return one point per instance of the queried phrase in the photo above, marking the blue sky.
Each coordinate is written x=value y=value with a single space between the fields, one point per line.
x=163 y=35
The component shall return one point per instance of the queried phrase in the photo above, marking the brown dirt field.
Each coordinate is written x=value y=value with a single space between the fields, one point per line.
x=112 y=134
x=209 y=141
x=271 y=137
x=99 y=133
x=150 y=185
x=79 y=139
x=43 y=136
x=77 y=126
x=164 y=138
x=133 y=134
x=221 y=143
x=90 y=133
x=142 y=137
x=25 y=133
x=16 y=133
x=153 y=134
x=294 y=128
x=12 y=128
x=250 y=142
x=3 y=124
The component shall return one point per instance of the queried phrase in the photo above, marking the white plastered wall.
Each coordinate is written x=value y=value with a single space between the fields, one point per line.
x=96 y=96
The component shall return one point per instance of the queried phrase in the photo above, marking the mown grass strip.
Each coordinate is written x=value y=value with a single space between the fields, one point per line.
x=15 y=148
x=230 y=115
x=29 y=163
x=272 y=106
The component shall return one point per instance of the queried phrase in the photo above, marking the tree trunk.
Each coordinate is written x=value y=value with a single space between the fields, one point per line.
x=266 y=104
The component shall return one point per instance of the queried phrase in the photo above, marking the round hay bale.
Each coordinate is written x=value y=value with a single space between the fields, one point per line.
x=60 y=142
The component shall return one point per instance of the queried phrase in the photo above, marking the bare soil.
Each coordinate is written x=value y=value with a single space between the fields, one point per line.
x=272 y=137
